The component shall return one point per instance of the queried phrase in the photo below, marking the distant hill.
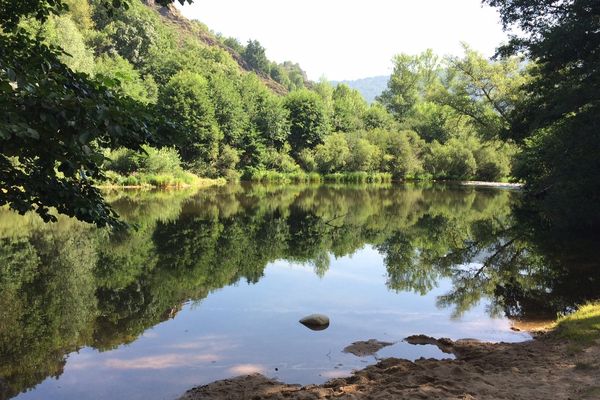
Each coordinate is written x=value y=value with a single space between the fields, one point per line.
x=370 y=88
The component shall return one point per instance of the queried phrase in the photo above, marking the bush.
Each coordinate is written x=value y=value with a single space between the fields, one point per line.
x=307 y=161
x=130 y=180
x=160 y=161
x=123 y=161
x=364 y=156
x=333 y=154
x=451 y=161
x=227 y=161
x=493 y=164
x=280 y=161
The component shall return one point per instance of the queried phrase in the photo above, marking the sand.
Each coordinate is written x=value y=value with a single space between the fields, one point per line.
x=543 y=368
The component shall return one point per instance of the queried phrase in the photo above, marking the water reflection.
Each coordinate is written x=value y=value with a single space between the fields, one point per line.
x=68 y=286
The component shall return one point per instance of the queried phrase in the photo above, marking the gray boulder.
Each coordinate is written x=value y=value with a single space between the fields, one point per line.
x=316 y=322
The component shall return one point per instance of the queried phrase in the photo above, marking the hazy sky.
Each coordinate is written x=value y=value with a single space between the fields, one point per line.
x=349 y=39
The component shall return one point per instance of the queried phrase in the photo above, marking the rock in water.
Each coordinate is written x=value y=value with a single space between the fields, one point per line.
x=368 y=348
x=316 y=322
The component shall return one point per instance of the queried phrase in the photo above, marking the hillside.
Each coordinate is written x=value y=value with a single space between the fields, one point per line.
x=171 y=16
x=183 y=102
x=369 y=88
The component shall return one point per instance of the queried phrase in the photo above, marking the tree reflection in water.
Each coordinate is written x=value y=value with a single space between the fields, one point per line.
x=68 y=285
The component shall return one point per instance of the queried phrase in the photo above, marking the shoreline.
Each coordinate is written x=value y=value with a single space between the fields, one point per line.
x=560 y=361
x=208 y=182
x=545 y=367
x=204 y=182
x=501 y=185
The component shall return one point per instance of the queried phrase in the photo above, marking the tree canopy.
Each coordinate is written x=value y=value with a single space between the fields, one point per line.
x=91 y=86
x=558 y=117
x=55 y=120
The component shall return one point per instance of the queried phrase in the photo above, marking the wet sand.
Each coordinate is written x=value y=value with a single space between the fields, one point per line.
x=543 y=368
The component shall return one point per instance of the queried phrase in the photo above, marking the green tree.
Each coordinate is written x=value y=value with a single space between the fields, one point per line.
x=81 y=13
x=186 y=99
x=234 y=44
x=349 y=108
x=332 y=155
x=255 y=56
x=127 y=79
x=483 y=91
x=364 y=156
x=297 y=76
x=227 y=162
x=229 y=109
x=410 y=81
x=54 y=120
x=376 y=116
x=451 y=160
x=62 y=32
x=308 y=119
x=280 y=75
x=133 y=30
x=558 y=117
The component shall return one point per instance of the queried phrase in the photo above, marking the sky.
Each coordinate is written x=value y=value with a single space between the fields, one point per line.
x=352 y=39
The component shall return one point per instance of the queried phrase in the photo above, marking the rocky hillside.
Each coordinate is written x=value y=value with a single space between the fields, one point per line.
x=173 y=17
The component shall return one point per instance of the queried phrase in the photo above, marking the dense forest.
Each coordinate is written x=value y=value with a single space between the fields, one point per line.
x=132 y=93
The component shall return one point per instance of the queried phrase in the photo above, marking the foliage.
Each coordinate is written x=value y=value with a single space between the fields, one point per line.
x=485 y=92
x=62 y=32
x=410 y=82
x=559 y=114
x=55 y=120
x=254 y=55
x=183 y=88
x=308 y=119
x=452 y=160
x=49 y=153
x=332 y=155
x=127 y=80
x=582 y=326
x=348 y=109
x=186 y=99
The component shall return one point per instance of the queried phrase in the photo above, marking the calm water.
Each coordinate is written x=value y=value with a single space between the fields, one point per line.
x=212 y=285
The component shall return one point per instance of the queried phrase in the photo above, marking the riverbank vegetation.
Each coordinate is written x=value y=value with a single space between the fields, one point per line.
x=582 y=326
x=131 y=74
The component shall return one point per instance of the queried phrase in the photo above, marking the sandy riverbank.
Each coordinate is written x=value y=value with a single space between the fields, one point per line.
x=544 y=368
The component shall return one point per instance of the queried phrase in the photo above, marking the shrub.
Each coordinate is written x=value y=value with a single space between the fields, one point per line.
x=160 y=161
x=451 y=161
x=130 y=180
x=306 y=159
x=492 y=163
x=333 y=154
x=123 y=161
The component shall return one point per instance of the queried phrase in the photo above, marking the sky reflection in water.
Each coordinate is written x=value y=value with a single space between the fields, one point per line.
x=247 y=328
x=212 y=285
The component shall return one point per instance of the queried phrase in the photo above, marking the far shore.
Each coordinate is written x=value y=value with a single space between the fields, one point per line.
x=506 y=185
x=203 y=182
x=208 y=182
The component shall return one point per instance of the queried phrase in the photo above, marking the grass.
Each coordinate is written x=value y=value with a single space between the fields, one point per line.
x=266 y=176
x=164 y=180
x=582 y=326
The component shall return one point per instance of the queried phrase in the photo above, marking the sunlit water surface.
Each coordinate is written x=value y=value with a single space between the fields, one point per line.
x=204 y=328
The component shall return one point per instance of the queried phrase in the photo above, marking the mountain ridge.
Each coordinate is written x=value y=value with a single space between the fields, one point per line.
x=369 y=87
